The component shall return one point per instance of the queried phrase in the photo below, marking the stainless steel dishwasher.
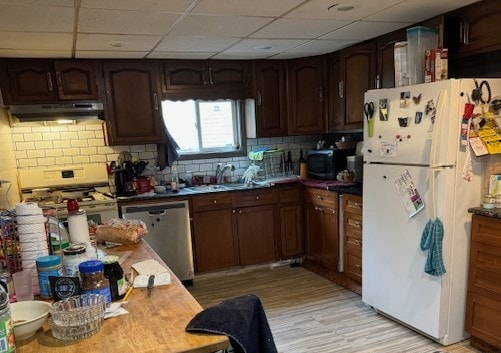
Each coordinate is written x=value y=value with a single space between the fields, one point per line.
x=169 y=233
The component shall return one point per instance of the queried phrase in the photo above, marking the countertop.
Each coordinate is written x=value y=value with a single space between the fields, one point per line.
x=494 y=213
x=331 y=185
x=154 y=324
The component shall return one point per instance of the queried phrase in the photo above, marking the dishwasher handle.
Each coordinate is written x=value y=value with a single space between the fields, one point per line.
x=155 y=208
x=157 y=213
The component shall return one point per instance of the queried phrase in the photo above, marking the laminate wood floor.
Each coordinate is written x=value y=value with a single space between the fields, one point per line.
x=308 y=313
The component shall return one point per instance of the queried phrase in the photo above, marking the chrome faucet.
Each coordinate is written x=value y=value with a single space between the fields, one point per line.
x=220 y=170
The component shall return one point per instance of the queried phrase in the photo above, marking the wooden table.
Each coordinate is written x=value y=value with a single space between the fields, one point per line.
x=154 y=324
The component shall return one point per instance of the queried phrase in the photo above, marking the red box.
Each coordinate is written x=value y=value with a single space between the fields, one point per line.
x=436 y=65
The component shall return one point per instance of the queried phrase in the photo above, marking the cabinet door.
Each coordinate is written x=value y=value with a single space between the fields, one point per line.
x=256 y=234
x=133 y=107
x=353 y=71
x=306 y=96
x=229 y=73
x=182 y=75
x=314 y=233
x=474 y=29
x=76 y=80
x=330 y=225
x=214 y=241
x=385 y=77
x=28 y=82
x=270 y=99
x=291 y=238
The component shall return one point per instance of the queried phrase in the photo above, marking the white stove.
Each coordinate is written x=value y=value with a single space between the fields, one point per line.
x=86 y=183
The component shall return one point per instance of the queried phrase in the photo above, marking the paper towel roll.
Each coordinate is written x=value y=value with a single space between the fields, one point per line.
x=78 y=228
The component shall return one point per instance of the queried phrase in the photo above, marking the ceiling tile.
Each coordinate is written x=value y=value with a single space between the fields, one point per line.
x=125 y=22
x=418 y=10
x=103 y=54
x=36 y=18
x=69 y=3
x=264 y=45
x=36 y=41
x=99 y=42
x=195 y=44
x=243 y=7
x=362 y=30
x=298 y=28
x=179 y=55
x=30 y=53
x=177 y=6
x=213 y=26
x=319 y=9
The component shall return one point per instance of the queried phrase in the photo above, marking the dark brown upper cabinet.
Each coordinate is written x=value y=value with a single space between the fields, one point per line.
x=270 y=101
x=133 y=112
x=229 y=78
x=474 y=29
x=385 y=58
x=352 y=71
x=30 y=81
x=306 y=95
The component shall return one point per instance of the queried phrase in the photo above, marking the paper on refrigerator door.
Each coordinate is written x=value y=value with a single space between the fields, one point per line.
x=412 y=201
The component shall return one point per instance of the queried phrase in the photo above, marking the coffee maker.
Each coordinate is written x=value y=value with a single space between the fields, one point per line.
x=124 y=180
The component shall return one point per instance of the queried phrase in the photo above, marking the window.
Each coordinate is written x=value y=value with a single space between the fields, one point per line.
x=205 y=127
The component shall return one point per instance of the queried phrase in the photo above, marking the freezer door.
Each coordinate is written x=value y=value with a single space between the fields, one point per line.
x=404 y=121
x=394 y=281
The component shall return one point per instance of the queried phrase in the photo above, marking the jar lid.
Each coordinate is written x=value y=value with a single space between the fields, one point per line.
x=91 y=266
x=74 y=250
x=48 y=261
x=110 y=259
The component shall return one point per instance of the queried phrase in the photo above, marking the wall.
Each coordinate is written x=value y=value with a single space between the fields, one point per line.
x=35 y=145
x=8 y=168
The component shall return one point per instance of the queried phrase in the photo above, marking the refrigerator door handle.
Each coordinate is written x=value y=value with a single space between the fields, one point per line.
x=437 y=128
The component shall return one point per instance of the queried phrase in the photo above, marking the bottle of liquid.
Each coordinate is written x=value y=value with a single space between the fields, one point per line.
x=303 y=167
x=289 y=165
x=6 y=325
x=174 y=184
x=77 y=223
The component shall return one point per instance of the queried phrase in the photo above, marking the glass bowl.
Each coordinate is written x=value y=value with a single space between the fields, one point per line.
x=77 y=317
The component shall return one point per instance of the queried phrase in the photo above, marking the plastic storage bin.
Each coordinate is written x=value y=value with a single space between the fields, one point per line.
x=419 y=39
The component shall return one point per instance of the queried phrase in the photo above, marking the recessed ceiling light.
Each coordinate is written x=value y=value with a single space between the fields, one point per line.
x=265 y=47
x=117 y=44
x=340 y=7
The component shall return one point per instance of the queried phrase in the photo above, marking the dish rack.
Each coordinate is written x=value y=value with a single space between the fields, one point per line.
x=10 y=254
x=272 y=165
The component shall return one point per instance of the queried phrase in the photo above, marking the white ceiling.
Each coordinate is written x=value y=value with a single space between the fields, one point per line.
x=201 y=29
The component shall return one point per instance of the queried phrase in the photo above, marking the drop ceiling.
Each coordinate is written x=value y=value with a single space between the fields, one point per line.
x=201 y=29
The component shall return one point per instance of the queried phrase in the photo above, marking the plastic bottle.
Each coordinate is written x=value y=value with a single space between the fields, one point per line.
x=289 y=164
x=77 y=223
x=6 y=326
x=174 y=184
x=303 y=167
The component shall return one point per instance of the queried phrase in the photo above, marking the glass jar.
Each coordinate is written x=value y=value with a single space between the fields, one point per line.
x=49 y=265
x=73 y=256
x=93 y=280
x=114 y=273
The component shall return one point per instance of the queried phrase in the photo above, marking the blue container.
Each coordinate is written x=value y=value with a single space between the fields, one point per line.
x=49 y=265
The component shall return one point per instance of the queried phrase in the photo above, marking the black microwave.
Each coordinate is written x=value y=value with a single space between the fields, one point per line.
x=326 y=164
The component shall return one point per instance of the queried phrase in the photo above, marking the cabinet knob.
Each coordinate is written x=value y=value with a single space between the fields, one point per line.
x=233 y=211
x=214 y=201
x=211 y=80
x=240 y=211
x=359 y=267
x=59 y=81
x=259 y=98
x=340 y=89
x=356 y=204
x=320 y=95
x=358 y=224
x=155 y=101
x=204 y=76
x=257 y=197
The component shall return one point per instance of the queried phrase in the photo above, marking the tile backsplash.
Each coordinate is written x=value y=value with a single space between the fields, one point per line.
x=37 y=145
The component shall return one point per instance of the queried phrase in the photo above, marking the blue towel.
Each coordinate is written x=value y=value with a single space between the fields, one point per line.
x=431 y=240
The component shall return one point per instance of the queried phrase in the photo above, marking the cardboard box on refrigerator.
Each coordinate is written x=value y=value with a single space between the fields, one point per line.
x=401 y=64
x=436 y=65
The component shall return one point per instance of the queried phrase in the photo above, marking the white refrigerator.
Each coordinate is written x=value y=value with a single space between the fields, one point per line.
x=414 y=167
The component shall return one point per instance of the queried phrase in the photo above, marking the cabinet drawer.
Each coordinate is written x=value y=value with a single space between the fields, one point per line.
x=353 y=246
x=486 y=230
x=354 y=266
x=289 y=195
x=482 y=318
x=213 y=201
x=352 y=204
x=485 y=270
x=256 y=197
x=353 y=224
x=321 y=197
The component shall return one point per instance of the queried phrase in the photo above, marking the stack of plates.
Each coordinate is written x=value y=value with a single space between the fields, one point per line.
x=32 y=233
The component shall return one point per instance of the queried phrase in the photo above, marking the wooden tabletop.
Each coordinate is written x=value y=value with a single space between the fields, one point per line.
x=154 y=324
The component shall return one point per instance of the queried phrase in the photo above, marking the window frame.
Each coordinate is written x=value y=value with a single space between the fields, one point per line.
x=239 y=126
